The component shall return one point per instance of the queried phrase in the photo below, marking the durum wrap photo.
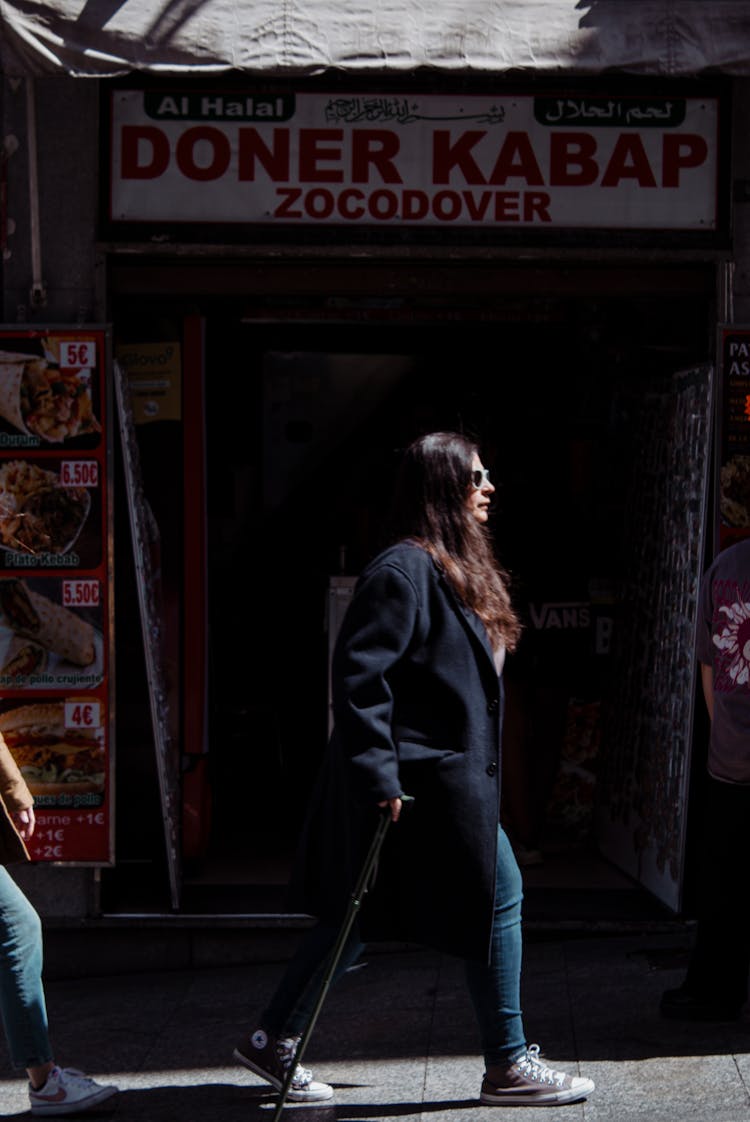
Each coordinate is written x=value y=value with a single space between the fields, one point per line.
x=52 y=626
x=41 y=400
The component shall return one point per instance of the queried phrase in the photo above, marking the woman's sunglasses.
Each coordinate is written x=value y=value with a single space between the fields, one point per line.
x=479 y=477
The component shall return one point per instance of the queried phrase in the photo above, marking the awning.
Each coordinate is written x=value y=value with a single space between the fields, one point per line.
x=286 y=38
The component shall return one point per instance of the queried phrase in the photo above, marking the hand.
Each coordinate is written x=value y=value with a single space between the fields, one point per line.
x=25 y=822
x=395 y=805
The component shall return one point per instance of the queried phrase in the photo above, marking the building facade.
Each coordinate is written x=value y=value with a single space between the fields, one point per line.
x=311 y=240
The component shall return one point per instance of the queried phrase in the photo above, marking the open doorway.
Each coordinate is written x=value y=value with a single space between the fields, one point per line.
x=300 y=465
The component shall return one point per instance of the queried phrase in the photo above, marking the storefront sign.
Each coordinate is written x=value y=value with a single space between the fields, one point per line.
x=733 y=438
x=55 y=584
x=499 y=160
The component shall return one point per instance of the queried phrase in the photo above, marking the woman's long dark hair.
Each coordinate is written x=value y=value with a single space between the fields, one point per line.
x=430 y=508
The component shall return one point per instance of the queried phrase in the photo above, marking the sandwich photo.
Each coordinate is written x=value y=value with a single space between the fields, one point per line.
x=53 y=759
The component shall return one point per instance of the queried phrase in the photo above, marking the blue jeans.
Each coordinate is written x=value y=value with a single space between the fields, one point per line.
x=22 y=1003
x=494 y=987
x=720 y=960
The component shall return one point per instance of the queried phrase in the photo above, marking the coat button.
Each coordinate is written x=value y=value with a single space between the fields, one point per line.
x=491 y=768
x=492 y=706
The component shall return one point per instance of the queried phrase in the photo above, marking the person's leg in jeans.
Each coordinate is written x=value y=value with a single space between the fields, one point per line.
x=495 y=987
x=271 y=1049
x=718 y=970
x=22 y=1003
x=515 y=1074
x=292 y=1005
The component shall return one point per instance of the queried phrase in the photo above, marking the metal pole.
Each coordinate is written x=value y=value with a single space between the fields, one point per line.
x=363 y=884
x=38 y=292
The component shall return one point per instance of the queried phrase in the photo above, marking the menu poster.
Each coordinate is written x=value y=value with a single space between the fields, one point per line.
x=56 y=584
x=733 y=440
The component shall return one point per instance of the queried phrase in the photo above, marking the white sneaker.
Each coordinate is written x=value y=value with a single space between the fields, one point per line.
x=68 y=1091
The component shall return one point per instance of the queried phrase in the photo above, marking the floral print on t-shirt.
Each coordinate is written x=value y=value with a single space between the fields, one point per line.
x=733 y=640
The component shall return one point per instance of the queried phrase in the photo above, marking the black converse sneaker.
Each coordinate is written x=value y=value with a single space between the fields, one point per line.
x=529 y=1082
x=270 y=1058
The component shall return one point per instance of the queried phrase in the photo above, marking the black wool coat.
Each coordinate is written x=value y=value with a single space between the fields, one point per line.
x=418 y=708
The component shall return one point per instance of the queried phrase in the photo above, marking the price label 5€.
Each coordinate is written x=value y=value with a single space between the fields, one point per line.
x=76 y=354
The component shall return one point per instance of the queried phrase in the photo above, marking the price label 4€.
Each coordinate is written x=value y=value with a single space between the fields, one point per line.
x=82 y=715
x=79 y=473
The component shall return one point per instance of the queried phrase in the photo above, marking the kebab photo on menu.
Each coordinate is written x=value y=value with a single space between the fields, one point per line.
x=37 y=513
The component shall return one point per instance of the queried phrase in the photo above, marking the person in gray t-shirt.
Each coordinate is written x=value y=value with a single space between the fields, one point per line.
x=716 y=983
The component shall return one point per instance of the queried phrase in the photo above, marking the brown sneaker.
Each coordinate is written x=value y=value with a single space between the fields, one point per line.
x=271 y=1058
x=529 y=1082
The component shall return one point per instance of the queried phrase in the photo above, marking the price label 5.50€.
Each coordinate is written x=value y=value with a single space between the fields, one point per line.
x=81 y=593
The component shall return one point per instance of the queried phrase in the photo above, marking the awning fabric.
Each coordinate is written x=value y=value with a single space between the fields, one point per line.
x=280 y=38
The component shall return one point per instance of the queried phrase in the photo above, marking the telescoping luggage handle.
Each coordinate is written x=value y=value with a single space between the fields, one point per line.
x=365 y=880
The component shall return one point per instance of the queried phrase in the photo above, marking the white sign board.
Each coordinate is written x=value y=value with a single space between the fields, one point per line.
x=494 y=161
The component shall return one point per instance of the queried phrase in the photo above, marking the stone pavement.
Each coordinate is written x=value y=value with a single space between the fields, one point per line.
x=396 y=1037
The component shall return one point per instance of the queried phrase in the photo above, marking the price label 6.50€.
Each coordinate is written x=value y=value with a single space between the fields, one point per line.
x=79 y=473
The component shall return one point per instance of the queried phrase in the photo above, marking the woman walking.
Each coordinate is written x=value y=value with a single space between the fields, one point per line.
x=418 y=709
